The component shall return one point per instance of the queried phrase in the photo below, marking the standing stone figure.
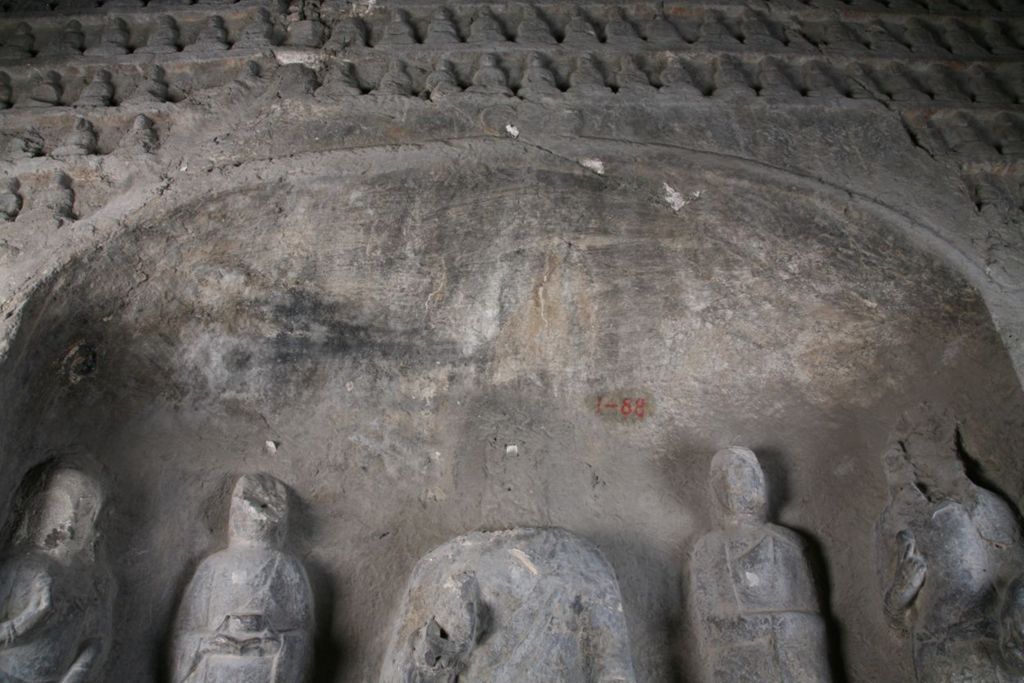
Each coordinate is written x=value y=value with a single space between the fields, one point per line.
x=950 y=559
x=247 y=614
x=56 y=591
x=510 y=607
x=754 y=598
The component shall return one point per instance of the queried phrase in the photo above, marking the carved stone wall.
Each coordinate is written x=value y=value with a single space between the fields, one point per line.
x=442 y=269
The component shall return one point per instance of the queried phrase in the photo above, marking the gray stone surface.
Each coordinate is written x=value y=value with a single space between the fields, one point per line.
x=506 y=606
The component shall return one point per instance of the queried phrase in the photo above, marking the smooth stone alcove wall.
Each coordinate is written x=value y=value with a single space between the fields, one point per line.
x=393 y=332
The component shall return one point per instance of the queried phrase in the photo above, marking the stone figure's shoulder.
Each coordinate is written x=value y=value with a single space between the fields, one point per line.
x=788 y=538
x=708 y=546
x=290 y=565
x=26 y=566
x=995 y=520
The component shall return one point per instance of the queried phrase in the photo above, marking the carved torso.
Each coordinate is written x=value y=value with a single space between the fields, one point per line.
x=248 y=617
x=79 y=607
x=757 y=607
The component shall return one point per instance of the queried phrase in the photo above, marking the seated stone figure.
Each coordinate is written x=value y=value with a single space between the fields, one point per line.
x=247 y=614
x=55 y=590
x=98 y=93
x=754 y=599
x=10 y=199
x=509 y=607
x=950 y=557
x=80 y=141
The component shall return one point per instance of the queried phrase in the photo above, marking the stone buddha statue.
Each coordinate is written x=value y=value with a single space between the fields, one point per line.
x=247 y=614
x=55 y=590
x=950 y=558
x=754 y=598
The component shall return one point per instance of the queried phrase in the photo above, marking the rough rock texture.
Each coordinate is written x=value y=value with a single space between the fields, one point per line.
x=477 y=310
x=506 y=606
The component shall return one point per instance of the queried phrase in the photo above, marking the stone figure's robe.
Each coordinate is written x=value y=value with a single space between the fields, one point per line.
x=971 y=551
x=247 y=617
x=77 y=621
x=757 y=607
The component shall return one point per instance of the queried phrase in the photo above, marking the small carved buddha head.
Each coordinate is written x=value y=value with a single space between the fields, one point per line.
x=738 y=489
x=259 y=511
x=64 y=522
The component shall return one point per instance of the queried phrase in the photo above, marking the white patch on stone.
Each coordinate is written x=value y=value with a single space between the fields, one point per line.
x=285 y=55
x=753 y=579
x=511 y=449
x=595 y=165
x=364 y=8
x=676 y=199
x=524 y=560
x=272 y=447
x=511 y=130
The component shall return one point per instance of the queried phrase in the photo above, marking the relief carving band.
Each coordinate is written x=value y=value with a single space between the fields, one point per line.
x=510 y=607
x=56 y=591
x=950 y=559
x=754 y=597
x=247 y=614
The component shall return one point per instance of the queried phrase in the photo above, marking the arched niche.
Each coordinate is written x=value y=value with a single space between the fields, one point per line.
x=418 y=347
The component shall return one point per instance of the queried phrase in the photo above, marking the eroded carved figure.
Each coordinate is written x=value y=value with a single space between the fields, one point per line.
x=247 y=614
x=511 y=606
x=56 y=590
x=754 y=597
x=950 y=559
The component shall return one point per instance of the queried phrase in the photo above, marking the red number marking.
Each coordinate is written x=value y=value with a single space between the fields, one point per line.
x=635 y=407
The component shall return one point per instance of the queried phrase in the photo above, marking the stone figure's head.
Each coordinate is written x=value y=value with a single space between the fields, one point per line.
x=259 y=511
x=738 y=489
x=63 y=518
x=1011 y=626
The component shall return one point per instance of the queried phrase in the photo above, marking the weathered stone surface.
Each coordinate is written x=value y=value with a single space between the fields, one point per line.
x=506 y=606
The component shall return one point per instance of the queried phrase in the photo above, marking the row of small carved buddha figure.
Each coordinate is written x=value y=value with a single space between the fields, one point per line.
x=1000 y=136
x=940 y=38
x=52 y=205
x=995 y=192
x=47 y=90
x=81 y=139
x=902 y=6
x=539 y=604
x=537 y=75
x=711 y=29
